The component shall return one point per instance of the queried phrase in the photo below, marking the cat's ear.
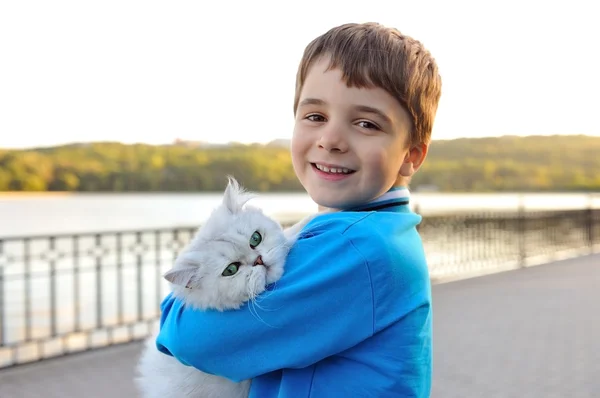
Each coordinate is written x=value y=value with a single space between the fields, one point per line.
x=181 y=276
x=235 y=196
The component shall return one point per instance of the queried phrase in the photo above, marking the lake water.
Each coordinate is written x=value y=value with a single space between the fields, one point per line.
x=36 y=214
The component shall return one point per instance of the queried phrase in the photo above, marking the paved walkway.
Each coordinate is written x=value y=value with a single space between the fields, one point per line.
x=527 y=333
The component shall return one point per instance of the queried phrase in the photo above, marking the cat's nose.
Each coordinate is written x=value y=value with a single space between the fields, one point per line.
x=258 y=261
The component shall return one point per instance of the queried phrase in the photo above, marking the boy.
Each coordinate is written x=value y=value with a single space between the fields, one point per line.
x=351 y=317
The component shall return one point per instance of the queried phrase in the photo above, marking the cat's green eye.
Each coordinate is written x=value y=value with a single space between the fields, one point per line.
x=255 y=239
x=231 y=269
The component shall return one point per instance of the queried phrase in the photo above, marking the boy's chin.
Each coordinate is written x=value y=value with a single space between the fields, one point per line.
x=328 y=204
x=323 y=202
x=332 y=201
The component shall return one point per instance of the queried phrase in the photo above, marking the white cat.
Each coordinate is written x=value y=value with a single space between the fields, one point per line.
x=229 y=261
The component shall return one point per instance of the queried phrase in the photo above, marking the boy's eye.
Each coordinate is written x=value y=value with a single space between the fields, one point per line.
x=368 y=125
x=231 y=269
x=315 y=118
x=255 y=239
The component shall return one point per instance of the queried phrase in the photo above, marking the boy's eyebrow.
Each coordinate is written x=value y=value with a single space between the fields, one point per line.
x=369 y=109
x=311 y=101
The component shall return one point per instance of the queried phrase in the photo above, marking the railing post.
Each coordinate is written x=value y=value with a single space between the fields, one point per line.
x=589 y=221
x=139 y=279
x=522 y=232
x=76 y=286
x=28 y=287
x=416 y=211
x=53 y=292
x=2 y=321
x=98 y=274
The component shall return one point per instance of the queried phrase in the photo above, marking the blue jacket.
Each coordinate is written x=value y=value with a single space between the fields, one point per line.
x=351 y=316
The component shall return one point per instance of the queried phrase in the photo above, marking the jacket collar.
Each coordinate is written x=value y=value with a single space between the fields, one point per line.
x=393 y=200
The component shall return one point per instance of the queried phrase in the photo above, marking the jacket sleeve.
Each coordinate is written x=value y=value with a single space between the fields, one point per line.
x=321 y=306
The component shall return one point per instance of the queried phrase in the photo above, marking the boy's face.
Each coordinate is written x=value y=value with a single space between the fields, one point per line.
x=362 y=134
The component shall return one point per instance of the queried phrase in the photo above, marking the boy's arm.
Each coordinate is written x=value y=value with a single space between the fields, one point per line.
x=322 y=305
x=415 y=353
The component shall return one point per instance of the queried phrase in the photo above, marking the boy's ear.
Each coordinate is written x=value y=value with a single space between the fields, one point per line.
x=413 y=160
x=181 y=276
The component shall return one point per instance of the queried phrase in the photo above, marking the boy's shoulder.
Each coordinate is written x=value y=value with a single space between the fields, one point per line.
x=383 y=238
x=333 y=222
x=383 y=247
x=373 y=225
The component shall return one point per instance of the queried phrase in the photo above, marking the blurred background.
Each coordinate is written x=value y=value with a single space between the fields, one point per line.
x=119 y=121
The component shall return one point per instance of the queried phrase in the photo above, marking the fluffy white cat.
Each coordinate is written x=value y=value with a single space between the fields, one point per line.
x=230 y=260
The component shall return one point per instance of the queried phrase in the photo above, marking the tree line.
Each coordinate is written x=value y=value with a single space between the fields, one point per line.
x=532 y=163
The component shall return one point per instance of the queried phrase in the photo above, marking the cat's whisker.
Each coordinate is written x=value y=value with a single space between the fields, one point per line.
x=262 y=297
x=266 y=293
x=263 y=308
x=282 y=245
x=252 y=306
x=253 y=311
x=257 y=305
x=249 y=289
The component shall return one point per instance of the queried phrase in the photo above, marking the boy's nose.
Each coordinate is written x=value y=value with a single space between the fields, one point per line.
x=332 y=139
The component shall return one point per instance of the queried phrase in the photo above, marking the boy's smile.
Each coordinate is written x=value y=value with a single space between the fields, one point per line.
x=331 y=172
x=349 y=144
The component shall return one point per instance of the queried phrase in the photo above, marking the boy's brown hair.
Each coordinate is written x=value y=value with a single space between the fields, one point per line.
x=372 y=55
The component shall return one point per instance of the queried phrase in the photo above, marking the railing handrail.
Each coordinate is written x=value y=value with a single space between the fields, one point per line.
x=99 y=232
x=448 y=213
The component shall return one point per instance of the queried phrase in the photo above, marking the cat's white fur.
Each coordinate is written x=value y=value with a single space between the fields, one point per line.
x=196 y=279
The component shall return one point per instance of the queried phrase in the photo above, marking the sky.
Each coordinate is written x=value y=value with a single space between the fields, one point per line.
x=152 y=72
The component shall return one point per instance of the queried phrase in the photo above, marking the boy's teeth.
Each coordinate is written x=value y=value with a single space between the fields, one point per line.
x=332 y=169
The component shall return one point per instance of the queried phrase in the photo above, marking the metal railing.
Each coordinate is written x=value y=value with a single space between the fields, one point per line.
x=462 y=245
x=66 y=293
